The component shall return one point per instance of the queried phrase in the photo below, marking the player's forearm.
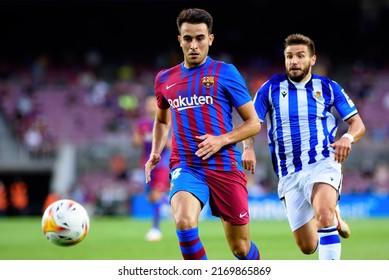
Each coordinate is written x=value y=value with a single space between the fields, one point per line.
x=247 y=129
x=248 y=143
x=160 y=137
x=356 y=129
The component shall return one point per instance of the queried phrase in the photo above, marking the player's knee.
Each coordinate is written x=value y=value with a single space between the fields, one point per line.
x=307 y=251
x=240 y=248
x=325 y=219
x=308 y=248
x=185 y=222
x=240 y=252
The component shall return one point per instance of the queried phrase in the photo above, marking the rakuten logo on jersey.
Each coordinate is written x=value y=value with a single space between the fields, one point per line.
x=183 y=103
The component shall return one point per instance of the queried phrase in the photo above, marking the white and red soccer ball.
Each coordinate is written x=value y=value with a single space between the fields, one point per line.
x=65 y=222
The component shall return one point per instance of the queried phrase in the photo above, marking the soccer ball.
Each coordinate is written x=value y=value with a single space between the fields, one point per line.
x=65 y=222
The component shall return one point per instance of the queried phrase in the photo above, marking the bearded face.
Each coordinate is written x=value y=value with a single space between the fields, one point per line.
x=298 y=63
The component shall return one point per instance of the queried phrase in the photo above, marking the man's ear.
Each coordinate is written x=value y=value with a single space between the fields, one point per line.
x=313 y=60
x=179 y=39
x=211 y=38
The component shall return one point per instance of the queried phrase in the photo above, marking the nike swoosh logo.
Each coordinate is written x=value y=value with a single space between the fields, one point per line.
x=169 y=86
x=242 y=215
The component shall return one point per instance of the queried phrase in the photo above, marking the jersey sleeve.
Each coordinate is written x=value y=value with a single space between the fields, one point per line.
x=342 y=102
x=162 y=103
x=236 y=86
x=261 y=100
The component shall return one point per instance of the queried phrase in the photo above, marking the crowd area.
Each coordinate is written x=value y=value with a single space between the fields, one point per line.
x=46 y=104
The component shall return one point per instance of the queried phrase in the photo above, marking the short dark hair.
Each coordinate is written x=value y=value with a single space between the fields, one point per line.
x=195 y=16
x=299 y=39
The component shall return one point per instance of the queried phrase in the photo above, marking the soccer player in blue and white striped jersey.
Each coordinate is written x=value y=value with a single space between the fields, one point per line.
x=306 y=156
x=196 y=99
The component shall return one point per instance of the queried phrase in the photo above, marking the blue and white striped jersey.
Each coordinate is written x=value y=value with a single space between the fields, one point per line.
x=300 y=122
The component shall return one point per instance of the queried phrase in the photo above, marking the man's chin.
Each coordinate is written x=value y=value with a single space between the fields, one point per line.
x=194 y=61
x=296 y=79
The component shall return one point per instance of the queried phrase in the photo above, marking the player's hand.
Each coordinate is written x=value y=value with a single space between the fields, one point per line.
x=342 y=149
x=150 y=164
x=210 y=145
x=249 y=160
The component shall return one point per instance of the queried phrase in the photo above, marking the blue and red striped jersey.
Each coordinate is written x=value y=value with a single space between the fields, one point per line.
x=201 y=101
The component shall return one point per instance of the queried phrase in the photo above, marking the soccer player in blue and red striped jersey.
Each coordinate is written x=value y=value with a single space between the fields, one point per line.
x=196 y=99
x=305 y=154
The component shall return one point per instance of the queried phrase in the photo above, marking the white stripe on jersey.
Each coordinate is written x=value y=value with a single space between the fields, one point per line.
x=296 y=130
x=319 y=111
x=284 y=114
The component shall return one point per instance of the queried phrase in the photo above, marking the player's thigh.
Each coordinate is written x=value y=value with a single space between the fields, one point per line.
x=301 y=220
x=324 y=195
x=229 y=196
x=306 y=237
x=184 y=178
x=298 y=209
x=186 y=209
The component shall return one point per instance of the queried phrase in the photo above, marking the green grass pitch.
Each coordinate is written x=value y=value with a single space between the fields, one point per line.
x=122 y=238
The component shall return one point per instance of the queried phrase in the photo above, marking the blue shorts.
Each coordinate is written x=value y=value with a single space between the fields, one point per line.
x=225 y=190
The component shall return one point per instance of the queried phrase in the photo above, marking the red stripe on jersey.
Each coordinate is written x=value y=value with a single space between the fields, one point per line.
x=218 y=156
x=176 y=75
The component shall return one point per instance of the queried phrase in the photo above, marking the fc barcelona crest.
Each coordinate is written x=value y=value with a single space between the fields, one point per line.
x=208 y=82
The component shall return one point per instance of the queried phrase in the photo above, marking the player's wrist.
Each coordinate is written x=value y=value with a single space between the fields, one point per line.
x=248 y=147
x=349 y=136
x=154 y=154
x=226 y=140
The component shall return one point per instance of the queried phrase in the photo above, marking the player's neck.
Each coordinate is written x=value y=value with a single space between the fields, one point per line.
x=306 y=79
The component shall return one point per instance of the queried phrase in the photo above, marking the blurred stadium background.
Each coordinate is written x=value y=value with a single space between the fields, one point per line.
x=74 y=76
